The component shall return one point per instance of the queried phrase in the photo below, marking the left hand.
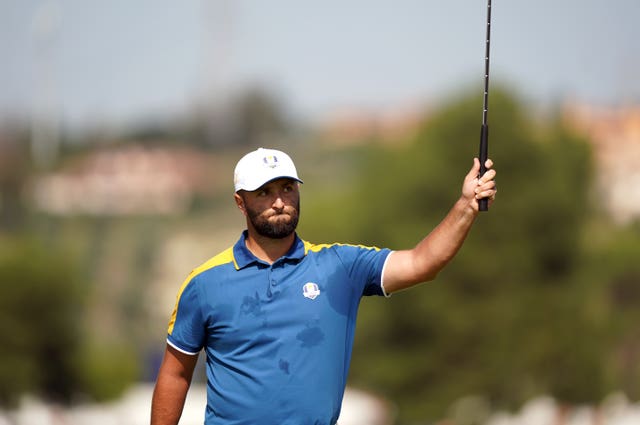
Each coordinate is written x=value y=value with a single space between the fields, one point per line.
x=475 y=188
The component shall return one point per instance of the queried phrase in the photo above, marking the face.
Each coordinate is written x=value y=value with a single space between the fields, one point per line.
x=272 y=210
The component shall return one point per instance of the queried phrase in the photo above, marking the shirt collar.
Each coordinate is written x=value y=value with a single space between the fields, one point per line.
x=243 y=257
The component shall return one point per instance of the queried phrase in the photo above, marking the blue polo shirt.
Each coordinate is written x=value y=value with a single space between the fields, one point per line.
x=278 y=338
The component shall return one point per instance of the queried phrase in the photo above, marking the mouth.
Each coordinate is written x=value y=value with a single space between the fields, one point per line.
x=279 y=217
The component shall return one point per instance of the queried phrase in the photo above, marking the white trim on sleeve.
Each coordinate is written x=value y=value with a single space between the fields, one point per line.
x=384 y=266
x=181 y=350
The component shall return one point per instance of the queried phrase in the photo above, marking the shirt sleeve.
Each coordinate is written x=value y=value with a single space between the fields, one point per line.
x=365 y=266
x=187 y=329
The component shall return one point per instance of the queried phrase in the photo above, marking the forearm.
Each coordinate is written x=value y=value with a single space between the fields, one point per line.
x=168 y=399
x=423 y=263
x=437 y=249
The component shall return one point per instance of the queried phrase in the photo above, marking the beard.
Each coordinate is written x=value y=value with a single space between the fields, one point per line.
x=278 y=230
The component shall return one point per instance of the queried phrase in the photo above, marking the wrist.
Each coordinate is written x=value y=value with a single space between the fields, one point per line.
x=466 y=207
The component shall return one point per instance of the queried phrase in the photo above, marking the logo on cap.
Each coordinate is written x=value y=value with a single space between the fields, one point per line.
x=261 y=166
x=270 y=161
x=310 y=290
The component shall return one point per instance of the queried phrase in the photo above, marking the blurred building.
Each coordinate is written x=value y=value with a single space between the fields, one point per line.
x=129 y=180
x=348 y=127
x=615 y=134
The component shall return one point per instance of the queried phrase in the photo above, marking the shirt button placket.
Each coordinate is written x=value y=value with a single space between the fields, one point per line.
x=274 y=274
x=272 y=282
x=269 y=294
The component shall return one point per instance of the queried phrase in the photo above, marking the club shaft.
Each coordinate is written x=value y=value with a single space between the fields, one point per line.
x=487 y=51
x=483 y=204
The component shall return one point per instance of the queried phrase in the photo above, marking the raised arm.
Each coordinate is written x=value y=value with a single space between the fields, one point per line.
x=174 y=379
x=422 y=263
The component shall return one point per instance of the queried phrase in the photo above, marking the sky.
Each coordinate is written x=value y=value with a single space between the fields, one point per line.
x=121 y=61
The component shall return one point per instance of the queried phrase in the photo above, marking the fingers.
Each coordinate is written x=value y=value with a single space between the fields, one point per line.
x=486 y=184
x=488 y=163
x=489 y=176
x=475 y=169
x=478 y=187
x=481 y=192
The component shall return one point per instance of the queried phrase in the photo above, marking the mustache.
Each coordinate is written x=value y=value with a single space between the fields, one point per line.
x=285 y=211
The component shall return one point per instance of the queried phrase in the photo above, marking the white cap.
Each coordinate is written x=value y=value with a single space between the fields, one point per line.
x=261 y=166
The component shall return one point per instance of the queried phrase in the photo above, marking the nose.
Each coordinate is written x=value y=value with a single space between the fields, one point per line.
x=278 y=203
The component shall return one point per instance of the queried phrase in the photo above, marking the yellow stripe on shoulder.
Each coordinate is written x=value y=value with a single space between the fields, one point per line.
x=225 y=257
x=311 y=247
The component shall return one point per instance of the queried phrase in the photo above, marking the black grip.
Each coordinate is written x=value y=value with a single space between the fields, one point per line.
x=483 y=204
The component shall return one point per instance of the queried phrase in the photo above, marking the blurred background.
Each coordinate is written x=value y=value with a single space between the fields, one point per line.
x=120 y=125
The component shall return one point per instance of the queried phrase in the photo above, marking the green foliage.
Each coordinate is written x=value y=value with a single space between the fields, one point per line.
x=47 y=346
x=512 y=316
x=614 y=304
x=40 y=317
x=106 y=369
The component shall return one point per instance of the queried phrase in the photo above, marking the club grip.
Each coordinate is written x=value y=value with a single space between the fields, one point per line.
x=483 y=204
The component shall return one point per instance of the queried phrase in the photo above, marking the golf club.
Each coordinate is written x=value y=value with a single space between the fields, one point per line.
x=483 y=204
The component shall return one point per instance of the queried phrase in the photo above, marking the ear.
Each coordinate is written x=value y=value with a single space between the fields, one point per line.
x=240 y=203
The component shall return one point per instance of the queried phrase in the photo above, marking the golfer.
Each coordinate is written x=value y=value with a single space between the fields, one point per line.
x=276 y=314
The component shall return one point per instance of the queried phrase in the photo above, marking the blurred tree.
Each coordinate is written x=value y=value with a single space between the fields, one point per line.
x=250 y=118
x=48 y=347
x=501 y=319
x=261 y=117
x=106 y=368
x=615 y=276
x=14 y=171
x=40 y=317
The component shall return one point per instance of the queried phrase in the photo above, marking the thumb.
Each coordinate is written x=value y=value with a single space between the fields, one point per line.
x=475 y=169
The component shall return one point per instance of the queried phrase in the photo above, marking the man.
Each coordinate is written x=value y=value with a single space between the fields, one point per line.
x=276 y=314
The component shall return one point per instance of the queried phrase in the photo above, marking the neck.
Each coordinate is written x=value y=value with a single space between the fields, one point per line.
x=267 y=249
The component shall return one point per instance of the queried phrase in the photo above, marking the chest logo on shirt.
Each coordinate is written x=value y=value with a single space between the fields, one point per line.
x=310 y=290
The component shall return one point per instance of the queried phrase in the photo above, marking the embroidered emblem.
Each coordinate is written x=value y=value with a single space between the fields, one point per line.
x=270 y=161
x=310 y=290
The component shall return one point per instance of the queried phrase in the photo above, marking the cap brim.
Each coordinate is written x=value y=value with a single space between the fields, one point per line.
x=251 y=189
